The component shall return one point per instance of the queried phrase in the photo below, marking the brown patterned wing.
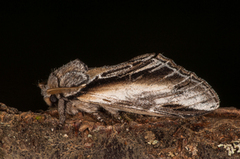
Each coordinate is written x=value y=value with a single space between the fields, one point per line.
x=151 y=84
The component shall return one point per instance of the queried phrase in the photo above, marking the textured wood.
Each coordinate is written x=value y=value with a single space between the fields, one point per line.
x=36 y=135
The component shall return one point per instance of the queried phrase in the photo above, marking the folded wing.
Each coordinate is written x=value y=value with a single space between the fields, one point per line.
x=150 y=84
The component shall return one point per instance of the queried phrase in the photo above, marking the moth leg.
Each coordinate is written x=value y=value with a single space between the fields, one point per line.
x=74 y=106
x=120 y=117
x=123 y=116
x=114 y=112
x=61 y=112
x=126 y=117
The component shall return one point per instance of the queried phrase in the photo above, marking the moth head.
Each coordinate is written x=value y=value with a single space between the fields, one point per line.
x=46 y=96
x=64 y=82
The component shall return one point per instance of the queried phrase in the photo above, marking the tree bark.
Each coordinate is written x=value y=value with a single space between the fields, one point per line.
x=37 y=135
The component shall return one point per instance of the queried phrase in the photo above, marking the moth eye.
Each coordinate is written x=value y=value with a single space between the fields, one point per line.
x=53 y=99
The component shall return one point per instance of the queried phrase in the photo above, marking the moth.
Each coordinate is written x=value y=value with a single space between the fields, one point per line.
x=149 y=84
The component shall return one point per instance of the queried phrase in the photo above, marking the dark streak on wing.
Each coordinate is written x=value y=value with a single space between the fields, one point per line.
x=136 y=64
x=106 y=74
x=172 y=106
x=135 y=76
x=140 y=65
x=181 y=85
x=136 y=67
x=175 y=78
x=158 y=75
x=184 y=109
x=125 y=68
x=121 y=76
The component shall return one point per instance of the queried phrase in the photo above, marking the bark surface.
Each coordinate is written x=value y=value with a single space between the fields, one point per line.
x=37 y=135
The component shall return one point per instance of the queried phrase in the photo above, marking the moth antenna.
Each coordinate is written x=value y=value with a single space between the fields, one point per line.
x=64 y=90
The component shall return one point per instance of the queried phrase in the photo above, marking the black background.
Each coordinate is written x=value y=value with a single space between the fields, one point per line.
x=203 y=37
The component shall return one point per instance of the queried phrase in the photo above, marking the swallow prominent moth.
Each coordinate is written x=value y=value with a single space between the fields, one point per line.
x=150 y=84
